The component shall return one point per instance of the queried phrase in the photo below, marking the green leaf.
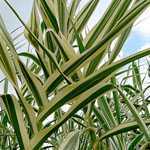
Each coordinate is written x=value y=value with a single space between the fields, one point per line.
x=6 y=86
x=120 y=10
x=28 y=110
x=55 y=79
x=6 y=63
x=120 y=42
x=71 y=141
x=97 y=29
x=49 y=53
x=16 y=117
x=31 y=56
x=136 y=115
x=135 y=141
x=61 y=6
x=35 y=86
x=104 y=107
x=98 y=49
x=117 y=102
x=48 y=15
x=72 y=10
x=84 y=99
x=65 y=47
x=124 y=127
x=81 y=86
x=84 y=15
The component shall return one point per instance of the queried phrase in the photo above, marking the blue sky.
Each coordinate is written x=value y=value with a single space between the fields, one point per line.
x=23 y=7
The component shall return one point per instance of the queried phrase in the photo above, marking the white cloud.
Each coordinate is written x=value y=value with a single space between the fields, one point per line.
x=142 y=25
x=147 y=45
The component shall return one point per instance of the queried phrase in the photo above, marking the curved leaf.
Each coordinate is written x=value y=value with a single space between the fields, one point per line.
x=71 y=141
x=124 y=127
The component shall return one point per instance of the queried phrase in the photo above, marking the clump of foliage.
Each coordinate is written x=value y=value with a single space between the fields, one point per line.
x=67 y=93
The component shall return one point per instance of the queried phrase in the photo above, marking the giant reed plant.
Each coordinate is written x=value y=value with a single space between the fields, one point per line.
x=67 y=94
